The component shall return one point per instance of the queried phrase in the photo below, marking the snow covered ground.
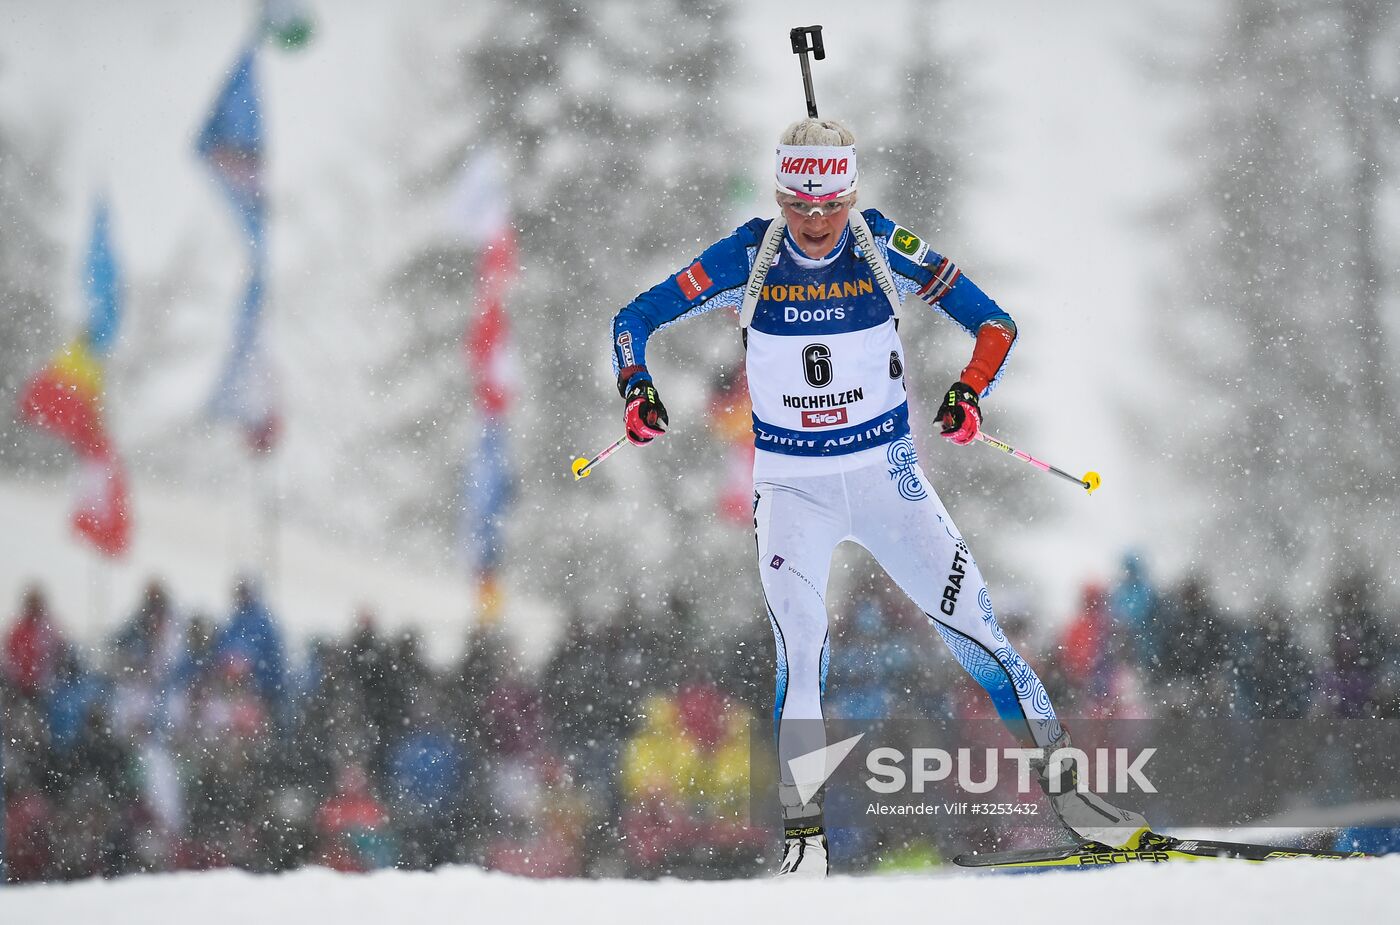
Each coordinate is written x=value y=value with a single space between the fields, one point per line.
x=1292 y=891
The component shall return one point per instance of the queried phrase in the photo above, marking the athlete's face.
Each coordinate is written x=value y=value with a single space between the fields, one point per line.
x=817 y=234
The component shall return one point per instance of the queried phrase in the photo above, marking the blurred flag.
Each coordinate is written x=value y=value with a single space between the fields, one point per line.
x=288 y=22
x=231 y=144
x=486 y=494
x=66 y=398
x=487 y=340
x=731 y=418
x=479 y=215
x=103 y=514
x=477 y=209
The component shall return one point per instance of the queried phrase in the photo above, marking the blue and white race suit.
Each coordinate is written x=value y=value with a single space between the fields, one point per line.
x=834 y=460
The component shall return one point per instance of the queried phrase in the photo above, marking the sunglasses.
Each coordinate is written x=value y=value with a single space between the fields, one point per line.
x=810 y=209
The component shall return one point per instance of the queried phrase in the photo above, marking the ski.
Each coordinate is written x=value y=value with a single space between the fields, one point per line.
x=1152 y=848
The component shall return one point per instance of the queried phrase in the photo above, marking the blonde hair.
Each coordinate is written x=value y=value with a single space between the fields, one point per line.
x=817 y=132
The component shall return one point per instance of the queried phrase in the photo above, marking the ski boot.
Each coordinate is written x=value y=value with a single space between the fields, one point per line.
x=1086 y=814
x=804 y=835
x=804 y=850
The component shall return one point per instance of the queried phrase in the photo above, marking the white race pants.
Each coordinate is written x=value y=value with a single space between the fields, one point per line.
x=890 y=509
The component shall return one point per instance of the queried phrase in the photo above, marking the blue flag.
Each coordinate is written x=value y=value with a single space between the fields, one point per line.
x=103 y=285
x=231 y=144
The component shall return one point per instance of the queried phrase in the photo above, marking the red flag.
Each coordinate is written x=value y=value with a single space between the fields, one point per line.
x=102 y=516
x=488 y=332
x=478 y=213
x=66 y=397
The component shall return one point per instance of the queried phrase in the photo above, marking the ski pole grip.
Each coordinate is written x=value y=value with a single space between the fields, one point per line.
x=805 y=40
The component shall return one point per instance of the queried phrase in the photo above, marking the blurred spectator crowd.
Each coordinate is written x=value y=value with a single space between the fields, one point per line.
x=185 y=743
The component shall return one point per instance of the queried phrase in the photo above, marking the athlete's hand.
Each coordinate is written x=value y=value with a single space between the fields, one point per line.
x=960 y=414
x=645 y=417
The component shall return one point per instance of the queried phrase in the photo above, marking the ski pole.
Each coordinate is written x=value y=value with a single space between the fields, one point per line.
x=808 y=39
x=583 y=466
x=1089 y=482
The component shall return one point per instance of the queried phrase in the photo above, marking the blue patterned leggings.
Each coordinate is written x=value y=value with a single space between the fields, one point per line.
x=890 y=509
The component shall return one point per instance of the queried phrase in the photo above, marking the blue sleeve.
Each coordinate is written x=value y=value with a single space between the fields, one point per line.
x=713 y=280
x=920 y=270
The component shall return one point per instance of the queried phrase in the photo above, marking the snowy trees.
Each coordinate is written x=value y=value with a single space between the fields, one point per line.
x=1288 y=403
x=615 y=126
x=611 y=126
x=618 y=128
x=920 y=138
x=29 y=264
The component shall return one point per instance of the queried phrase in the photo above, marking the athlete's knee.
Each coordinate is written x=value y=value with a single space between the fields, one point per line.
x=804 y=656
x=797 y=604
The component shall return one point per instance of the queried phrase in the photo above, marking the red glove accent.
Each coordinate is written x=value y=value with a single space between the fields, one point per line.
x=645 y=417
x=994 y=341
x=972 y=423
x=638 y=431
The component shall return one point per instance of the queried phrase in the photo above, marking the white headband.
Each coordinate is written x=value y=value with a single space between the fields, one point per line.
x=816 y=172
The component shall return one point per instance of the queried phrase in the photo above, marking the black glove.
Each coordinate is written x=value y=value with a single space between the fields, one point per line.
x=645 y=416
x=960 y=414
